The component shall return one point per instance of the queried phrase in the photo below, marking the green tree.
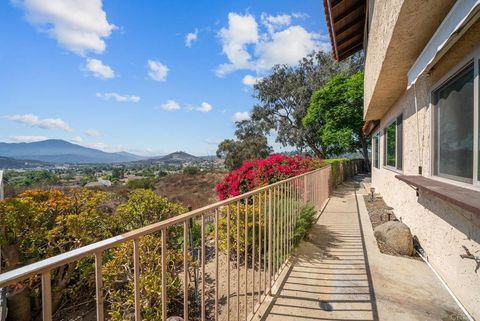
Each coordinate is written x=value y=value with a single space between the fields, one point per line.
x=251 y=143
x=118 y=173
x=284 y=96
x=335 y=115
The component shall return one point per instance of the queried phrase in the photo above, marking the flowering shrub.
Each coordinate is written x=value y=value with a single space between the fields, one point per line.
x=257 y=173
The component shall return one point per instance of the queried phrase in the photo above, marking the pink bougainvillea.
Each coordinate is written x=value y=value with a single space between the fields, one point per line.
x=256 y=173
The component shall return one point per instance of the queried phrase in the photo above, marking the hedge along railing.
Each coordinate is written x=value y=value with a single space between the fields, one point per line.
x=269 y=217
x=343 y=168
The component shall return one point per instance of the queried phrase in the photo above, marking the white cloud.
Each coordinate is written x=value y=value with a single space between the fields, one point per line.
x=286 y=47
x=26 y=139
x=99 y=69
x=250 y=80
x=241 y=31
x=240 y=116
x=118 y=97
x=191 y=37
x=204 y=107
x=273 y=23
x=249 y=47
x=171 y=105
x=79 y=26
x=93 y=133
x=157 y=71
x=77 y=140
x=45 y=123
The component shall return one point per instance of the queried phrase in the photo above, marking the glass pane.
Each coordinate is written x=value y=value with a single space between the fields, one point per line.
x=377 y=151
x=400 y=142
x=391 y=136
x=455 y=128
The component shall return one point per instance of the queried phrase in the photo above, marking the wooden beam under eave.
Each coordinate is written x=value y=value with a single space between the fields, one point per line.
x=359 y=20
x=356 y=47
x=360 y=4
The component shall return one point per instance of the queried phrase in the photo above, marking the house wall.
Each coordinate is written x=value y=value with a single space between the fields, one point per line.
x=393 y=46
x=441 y=228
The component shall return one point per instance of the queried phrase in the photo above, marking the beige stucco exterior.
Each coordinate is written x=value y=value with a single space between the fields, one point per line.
x=399 y=31
x=441 y=228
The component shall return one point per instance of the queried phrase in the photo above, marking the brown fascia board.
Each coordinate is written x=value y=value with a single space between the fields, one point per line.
x=329 y=26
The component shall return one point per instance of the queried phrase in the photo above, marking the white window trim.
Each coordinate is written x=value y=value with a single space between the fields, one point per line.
x=384 y=143
x=378 y=134
x=475 y=57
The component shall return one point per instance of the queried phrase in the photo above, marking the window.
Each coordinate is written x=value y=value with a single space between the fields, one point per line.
x=454 y=127
x=376 y=150
x=393 y=143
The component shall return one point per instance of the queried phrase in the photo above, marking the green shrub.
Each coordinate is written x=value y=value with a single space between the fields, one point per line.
x=191 y=170
x=304 y=222
x=142 y=183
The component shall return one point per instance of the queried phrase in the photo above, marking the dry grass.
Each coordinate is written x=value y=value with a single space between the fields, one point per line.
x=196 y=190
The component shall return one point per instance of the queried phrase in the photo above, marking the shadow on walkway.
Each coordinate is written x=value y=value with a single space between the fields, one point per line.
x=329 y=278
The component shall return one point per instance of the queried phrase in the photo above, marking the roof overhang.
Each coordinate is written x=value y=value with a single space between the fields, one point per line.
x=346 y=26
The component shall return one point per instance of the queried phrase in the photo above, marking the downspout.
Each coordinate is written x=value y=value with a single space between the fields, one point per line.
x=445 y=285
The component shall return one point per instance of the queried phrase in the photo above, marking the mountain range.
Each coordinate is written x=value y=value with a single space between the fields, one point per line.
x=56 y=151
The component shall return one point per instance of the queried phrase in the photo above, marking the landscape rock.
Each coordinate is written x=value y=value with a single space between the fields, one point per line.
x=397 y=236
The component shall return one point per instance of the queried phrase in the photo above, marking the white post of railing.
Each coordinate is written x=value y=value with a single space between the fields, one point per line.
x=203 y=266
x=136 y=279
x=216 y=264
x=305 y=190
x=164 y=274
x=46 y=296
x=265 y=248
x=245 y=310
x=253 y=255
x=99 y=286
x=270 y=242
x=238 y=260
x=228 y=263
x=185 y=270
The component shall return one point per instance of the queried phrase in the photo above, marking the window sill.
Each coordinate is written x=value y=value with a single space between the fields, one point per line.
x=393 y=169
x=460 y=196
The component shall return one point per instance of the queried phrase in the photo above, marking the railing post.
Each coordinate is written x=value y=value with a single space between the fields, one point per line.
x=164 y=274
x=305 y=190
x=47 y=296
x=270 y=243
x=136 y=279
x=99 y=286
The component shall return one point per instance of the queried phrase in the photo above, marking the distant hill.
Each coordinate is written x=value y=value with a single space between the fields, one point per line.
x=177 y=158
x=60 y=151
x=11 y=163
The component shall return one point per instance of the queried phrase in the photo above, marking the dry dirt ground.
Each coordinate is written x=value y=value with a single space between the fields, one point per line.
x=197 y=190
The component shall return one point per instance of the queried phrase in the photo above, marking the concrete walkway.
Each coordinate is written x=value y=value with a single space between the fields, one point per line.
x=339 y=274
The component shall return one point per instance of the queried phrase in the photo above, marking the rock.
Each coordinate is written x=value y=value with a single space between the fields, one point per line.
x=397 y=236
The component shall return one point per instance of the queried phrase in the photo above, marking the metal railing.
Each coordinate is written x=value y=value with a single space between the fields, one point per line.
x=269 y=215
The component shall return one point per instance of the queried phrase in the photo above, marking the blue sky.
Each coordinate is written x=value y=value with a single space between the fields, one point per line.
x=148 y=77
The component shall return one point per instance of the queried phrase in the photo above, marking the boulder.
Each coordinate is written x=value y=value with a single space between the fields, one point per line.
x=396 y=235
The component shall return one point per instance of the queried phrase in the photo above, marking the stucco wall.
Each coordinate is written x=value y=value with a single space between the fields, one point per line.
x=441 y=228
x=394 y=42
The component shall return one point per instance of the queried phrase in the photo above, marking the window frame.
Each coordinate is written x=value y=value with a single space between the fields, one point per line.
x=398 y=151
x=376 y=155
x=455 y=71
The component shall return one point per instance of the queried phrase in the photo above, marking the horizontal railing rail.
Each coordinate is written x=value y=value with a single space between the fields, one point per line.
x=269 y=217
